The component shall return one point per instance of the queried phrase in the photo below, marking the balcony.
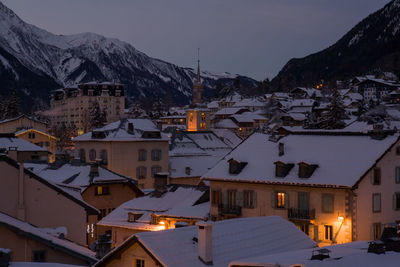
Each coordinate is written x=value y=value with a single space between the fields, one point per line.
x=297 y=214
x=231 y=211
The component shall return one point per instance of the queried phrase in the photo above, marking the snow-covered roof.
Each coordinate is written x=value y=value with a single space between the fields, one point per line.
x=40 y=264
x=180 y=198
x=248 y=117
x=249 y=102
x=20 y=117
x=213 y=104
x=229 y=137
x=231 y=240
x=329 y=152
x=296 y=116
x=229 y=111
x=19 y=143
x=302 y=103
x=198 y=165
x=118 y=131
x=226 y=123
x=43 y=235
x=209 y=142
x=309 y=91
x=343 y=255
x=75 y=176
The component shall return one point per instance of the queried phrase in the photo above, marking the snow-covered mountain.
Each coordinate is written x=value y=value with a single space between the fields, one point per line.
x=39 y=61
x=373 y=44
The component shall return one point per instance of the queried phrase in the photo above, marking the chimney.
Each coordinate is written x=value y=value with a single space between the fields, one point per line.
x=204 y=242
x=131 y=128
x=281 y=149
x=94 y=170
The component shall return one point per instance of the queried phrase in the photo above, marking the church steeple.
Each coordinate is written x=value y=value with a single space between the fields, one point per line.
x=197 y=86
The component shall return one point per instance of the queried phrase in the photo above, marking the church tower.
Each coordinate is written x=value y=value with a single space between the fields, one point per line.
x=197 y=85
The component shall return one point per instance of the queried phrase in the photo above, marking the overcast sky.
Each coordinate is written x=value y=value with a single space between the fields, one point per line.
x=249 y=37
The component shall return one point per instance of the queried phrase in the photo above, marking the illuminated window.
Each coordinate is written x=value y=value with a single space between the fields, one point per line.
x=280 y=199
x=328 y=232
x=191 y=116
x=101 y=190
x=203 y=116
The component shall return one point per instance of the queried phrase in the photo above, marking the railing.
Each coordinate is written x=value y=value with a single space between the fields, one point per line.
x=229 y=210
x=300 y=214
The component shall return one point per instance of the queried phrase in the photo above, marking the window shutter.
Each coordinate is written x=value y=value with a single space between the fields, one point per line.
x=273 y=199
x=394 y=201
x=254 y=199
x=287 y=201
x=138 y=172
x=372 y=232
x=239 y=199
x=225 y=198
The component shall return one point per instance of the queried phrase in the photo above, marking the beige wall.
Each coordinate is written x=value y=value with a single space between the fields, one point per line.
x=22 y=249
x=118 y=234
x=365 y=217
x=41 y=138
x=44 y=207
x=264 y=206
x=21 y=123
x=123 y=157
x=129 y=256
x=75 y=110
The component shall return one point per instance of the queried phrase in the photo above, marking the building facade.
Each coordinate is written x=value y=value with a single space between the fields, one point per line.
x=71 y=106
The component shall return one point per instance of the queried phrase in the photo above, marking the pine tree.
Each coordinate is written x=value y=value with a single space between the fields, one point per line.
x=12 y=106
x=333 y=119
x=97 y=117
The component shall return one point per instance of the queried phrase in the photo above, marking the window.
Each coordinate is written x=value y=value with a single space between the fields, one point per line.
x=376 y=176
x=216 y=197
x=141 y=172
x=82 y=155
x=39 y=256
x=47 y=143
x=156 y=154
x=396 y=201
x=282 y=169
x=397 y=175
x=280 y=199
x=31 y=135
x=376 y=231
x=376 y=202
x=139 y=263
x=231 y=199
x=328 y=232
x=92 y=155
x=103 y=157
x=187 y=170
x=327 y=203
x=142 y=155
x=101 y=190
x=249 y=199
x=398 y=151
x=155 y=169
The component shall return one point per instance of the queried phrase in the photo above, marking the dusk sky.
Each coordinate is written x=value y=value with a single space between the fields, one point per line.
x=249 y=37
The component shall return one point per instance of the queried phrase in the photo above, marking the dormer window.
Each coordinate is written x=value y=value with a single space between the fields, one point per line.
x=282 y=169
x=134 y=216
x=235 y=167
x=306 y=170
x=187 y=170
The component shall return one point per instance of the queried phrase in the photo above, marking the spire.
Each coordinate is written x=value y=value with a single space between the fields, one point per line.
x=198 y=66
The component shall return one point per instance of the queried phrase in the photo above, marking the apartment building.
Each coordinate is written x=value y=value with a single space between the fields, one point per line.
x=71 y=106
x=336 y=187
x=131 y=147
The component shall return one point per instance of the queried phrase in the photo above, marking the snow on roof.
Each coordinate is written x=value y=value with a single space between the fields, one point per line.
x=248 y=117
x=302 y=103
x=354 y=96
x=75 y=176
x=296 y=116
x=40 y=264
x=329 y=152
x=343 y=255
x=42 y=234
x=309 y=91
x=229 y=137
x=257 y=236
x=180 y=198
x=249 y=102
x=228 y=111
x=118 y=131
x=22 y=116
x=213 y=104
x=19 y=143
x=185 y=146
x=227 y=124
x=198 y=165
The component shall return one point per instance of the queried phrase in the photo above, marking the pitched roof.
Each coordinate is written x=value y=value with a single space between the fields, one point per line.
x=180 y=198
x=257 y=236
x=43 y=236
x=330 y=152
x=20 y=144
x=118 y=131
x=345 y=255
